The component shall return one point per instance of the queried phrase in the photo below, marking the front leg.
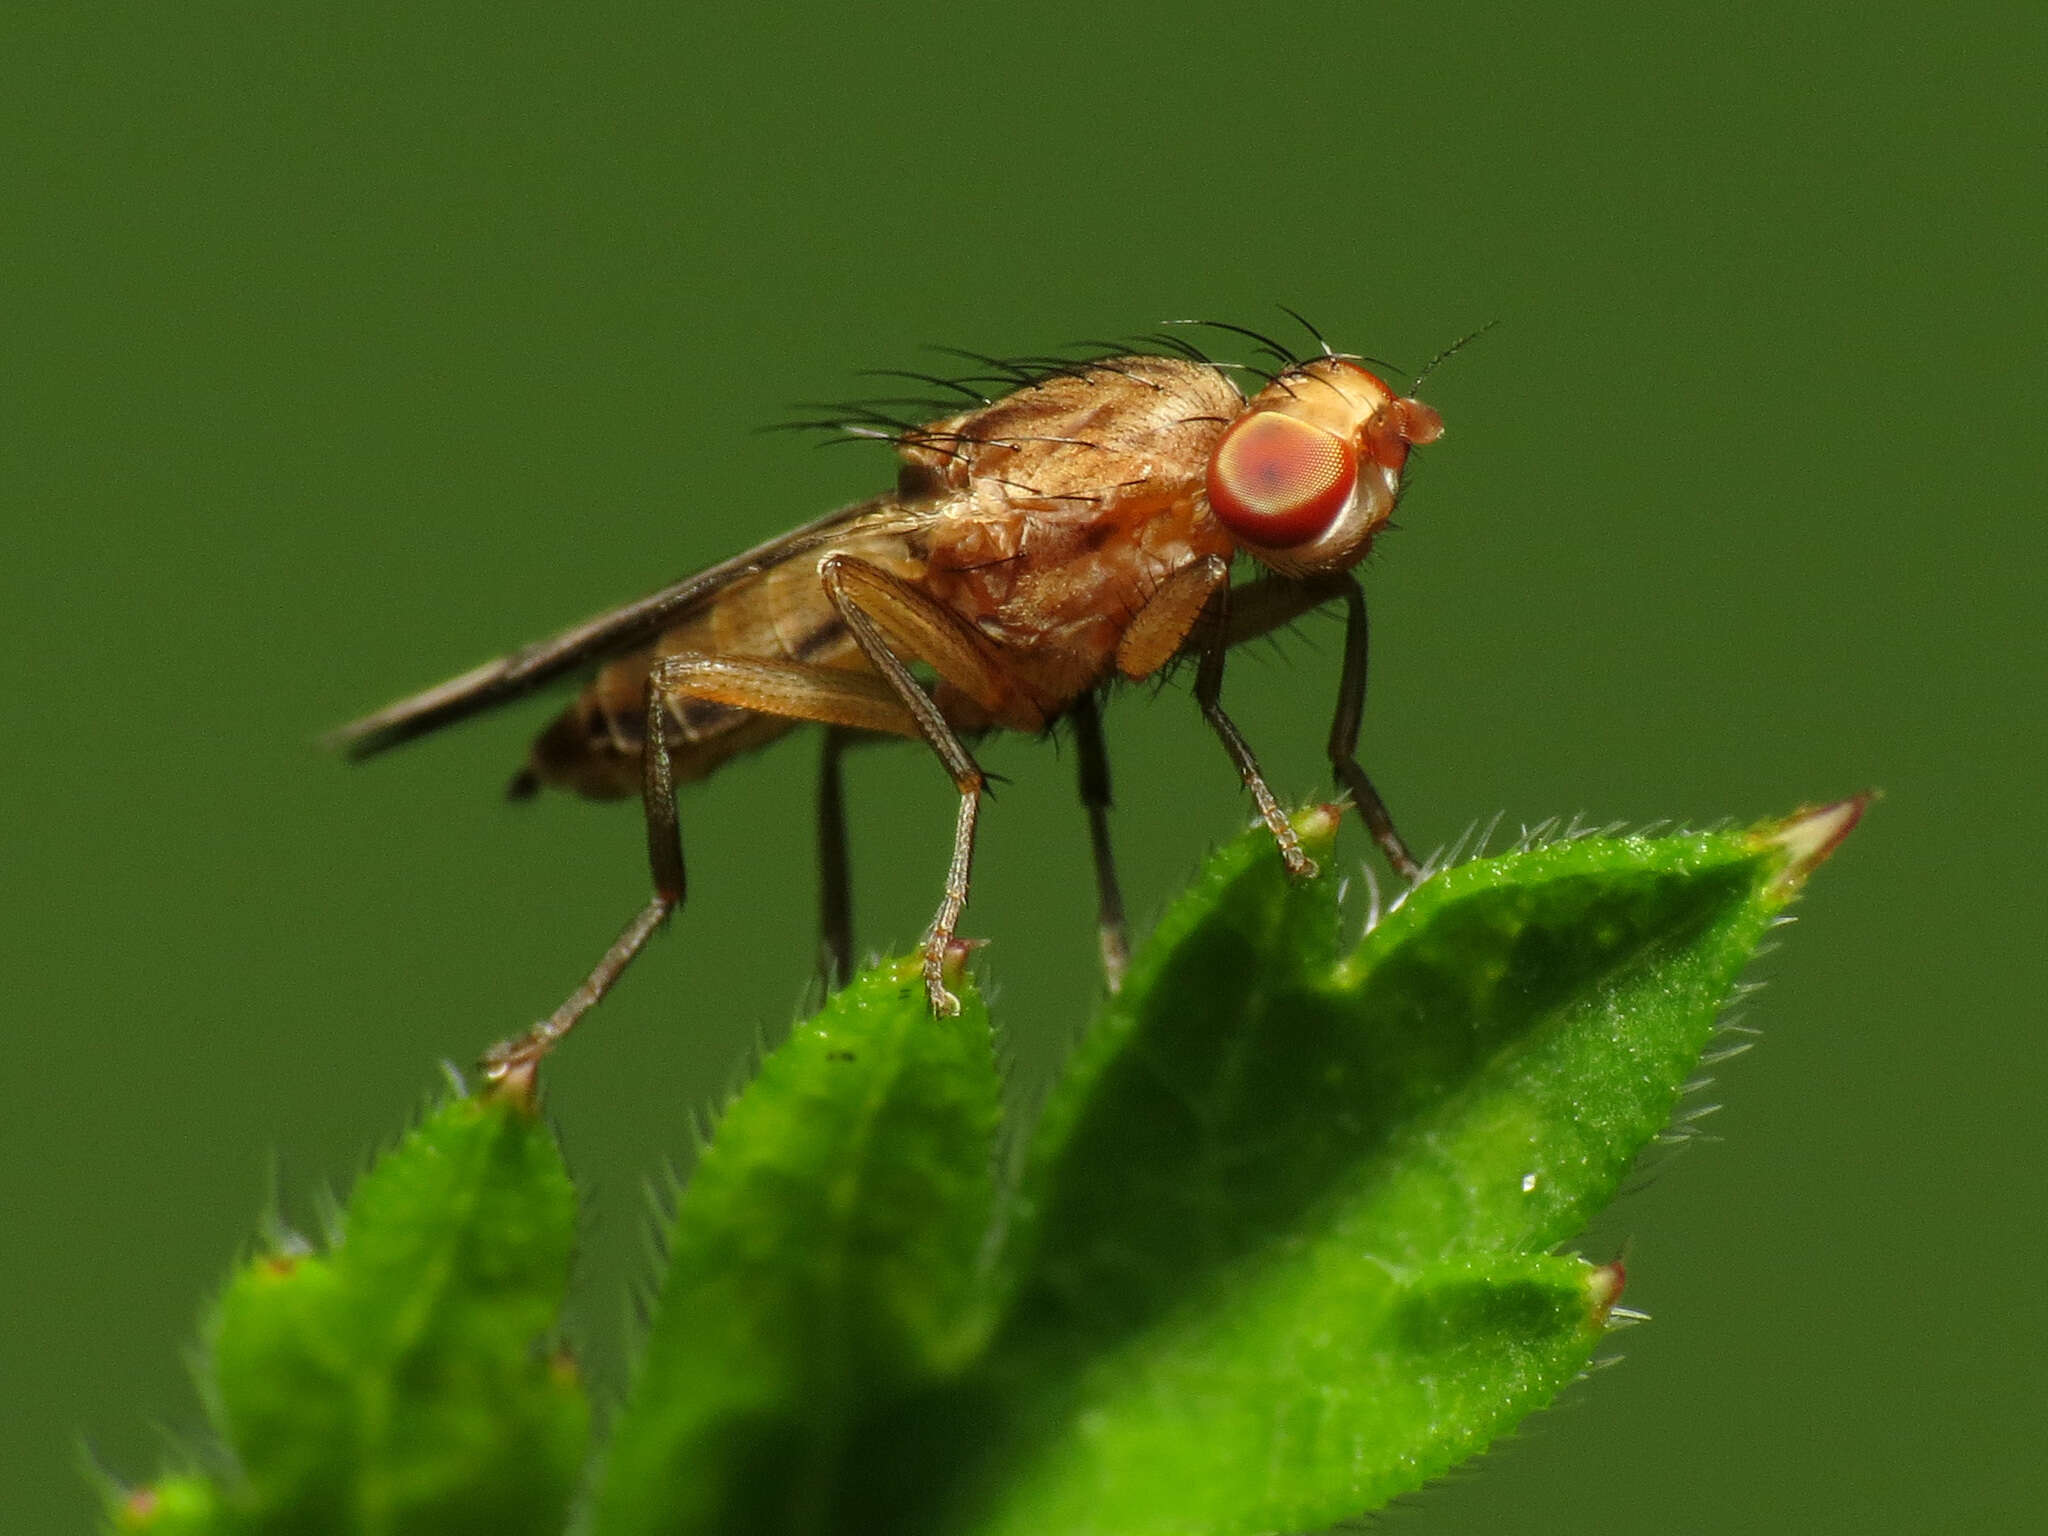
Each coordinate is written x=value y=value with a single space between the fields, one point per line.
x=1344 y=739
x=1208 y=693
x=1272 y=602
x=1191 y=611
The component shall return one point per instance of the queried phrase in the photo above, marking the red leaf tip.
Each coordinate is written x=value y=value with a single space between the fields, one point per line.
x=1604 y=1283
x=1806 y=837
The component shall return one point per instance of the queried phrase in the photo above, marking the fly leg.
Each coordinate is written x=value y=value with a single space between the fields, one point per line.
x=835 y=886
x=885 y=616
x=1344 y=738
x=665 y=859
x=1209 y=694
x=1191 y=611
x=1260 y=607
x=1109 y=900
x=850 y=699
x=1271 y=602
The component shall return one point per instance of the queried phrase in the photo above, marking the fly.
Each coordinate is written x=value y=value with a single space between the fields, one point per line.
x=1039 y=546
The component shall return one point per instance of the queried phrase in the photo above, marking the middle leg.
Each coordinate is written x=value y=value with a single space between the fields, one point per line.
x=1109 y=900
x=835 y=885
x=890 y=619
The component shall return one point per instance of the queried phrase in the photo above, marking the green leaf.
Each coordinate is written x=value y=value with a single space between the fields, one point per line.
x=824 y=1260
x=408 y=1379
x=1283 y=1243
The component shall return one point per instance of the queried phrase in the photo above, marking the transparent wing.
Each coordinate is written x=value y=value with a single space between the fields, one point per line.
x=534 y=666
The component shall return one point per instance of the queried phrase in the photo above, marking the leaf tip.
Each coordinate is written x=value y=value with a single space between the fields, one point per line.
x=953 y=967
x=514 y=1082
x=174 y=1504
x=139 y=1510
x=1806 y=838
x=1316 y=826
x=564 y=1370
x=1604 y=1285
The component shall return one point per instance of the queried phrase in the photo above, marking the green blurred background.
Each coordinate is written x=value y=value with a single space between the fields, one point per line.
x=345 y=345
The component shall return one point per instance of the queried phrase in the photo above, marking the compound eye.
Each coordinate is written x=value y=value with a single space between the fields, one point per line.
x=1276 y=482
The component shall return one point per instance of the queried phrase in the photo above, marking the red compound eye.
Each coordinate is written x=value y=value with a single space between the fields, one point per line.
x=1277 y=482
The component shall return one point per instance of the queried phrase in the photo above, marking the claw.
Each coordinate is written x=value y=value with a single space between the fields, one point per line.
x=511 y=1068
x=945 y=963
x=1299 y=865
x=944 y=1004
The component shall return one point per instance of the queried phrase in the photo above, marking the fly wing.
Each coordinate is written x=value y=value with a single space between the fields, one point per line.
x=607 y=634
